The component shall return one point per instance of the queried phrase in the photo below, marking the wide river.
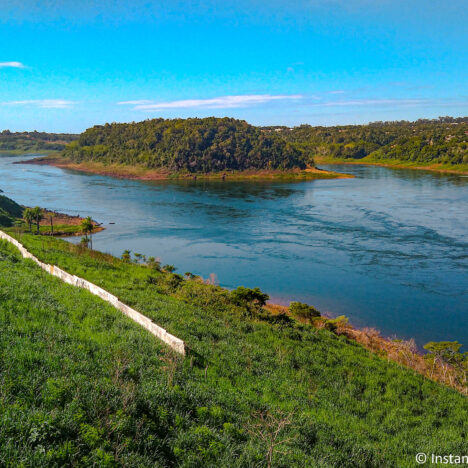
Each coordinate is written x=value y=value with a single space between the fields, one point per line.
x=389 y=248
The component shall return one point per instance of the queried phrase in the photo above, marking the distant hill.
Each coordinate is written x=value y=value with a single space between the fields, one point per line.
x=188 y=145
x=443 y=141
x=23 y=142
x=8 y=211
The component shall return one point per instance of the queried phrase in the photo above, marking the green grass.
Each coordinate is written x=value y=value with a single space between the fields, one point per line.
x=396 y=163
x=59 y=229
x=436 y=166
x=80 y=384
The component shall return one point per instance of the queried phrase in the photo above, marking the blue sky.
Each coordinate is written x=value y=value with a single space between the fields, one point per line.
x=67 y=65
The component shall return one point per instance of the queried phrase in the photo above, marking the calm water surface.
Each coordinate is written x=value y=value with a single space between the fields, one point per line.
x=388 y=248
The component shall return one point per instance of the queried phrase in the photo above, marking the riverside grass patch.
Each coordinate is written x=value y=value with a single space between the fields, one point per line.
x=82 y=385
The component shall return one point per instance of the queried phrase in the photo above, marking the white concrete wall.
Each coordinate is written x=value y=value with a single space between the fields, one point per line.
x=172 y=341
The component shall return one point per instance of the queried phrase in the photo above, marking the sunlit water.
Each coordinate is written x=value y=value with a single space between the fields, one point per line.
x=388 y=248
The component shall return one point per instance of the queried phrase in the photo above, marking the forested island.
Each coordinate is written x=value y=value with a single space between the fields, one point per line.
x=192 y=145
x=227 y=147
x=440 y=144
x=26 y=142
x=165 y=148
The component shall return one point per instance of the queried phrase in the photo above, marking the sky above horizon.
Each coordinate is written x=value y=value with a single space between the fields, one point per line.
x=67 y=65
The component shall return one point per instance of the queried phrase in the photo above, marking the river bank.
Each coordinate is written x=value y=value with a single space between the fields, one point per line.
x=403 y=352
x=25 y=152
x=99 y=379
x=194 y=290
x=143 y=173
x=460 y=169
x=58 y=224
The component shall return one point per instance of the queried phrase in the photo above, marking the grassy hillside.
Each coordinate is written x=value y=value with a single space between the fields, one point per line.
x=443 y=141
x=9 y=210
x=25 y=142
x=187 y=145
x=80 y=384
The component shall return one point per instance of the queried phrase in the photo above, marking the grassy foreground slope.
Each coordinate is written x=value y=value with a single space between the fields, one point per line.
x=81 y=384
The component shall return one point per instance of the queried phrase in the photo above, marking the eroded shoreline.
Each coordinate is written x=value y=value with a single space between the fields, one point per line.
x=142 y=173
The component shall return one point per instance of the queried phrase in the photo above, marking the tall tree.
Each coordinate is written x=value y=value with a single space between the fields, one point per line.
x=38 y=216
x=87 y=227
x=28 y=216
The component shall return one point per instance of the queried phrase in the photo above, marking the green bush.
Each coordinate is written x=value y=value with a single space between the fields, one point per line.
x=333 y=324
x=251 y=300
x=303 y=311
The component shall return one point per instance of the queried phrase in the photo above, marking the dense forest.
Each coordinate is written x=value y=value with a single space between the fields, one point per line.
x=34 y=141
x=188 y=145
x=444 y=140
x=225 y=144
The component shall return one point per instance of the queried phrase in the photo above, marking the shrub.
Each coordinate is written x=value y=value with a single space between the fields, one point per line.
x=303 y=311
x=251 y=300
x=282 y=319
x=154 y=263
x=126 y=257
x=337 y=323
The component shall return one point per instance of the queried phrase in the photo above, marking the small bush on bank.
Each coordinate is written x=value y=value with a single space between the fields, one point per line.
x=303 y=312
x=251 y=300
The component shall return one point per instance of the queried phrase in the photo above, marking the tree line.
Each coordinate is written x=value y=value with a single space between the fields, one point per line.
x=34 y=141
x=442 y=140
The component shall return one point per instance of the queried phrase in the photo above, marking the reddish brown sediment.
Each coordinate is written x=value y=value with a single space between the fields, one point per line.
x=143 y=173
x=61 y=219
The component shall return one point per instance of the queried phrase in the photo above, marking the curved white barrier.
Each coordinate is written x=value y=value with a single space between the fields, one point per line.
x=172 y=341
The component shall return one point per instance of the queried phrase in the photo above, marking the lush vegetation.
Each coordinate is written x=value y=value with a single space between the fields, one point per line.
x=9 y=211
x=187 y=145
x=82 y=385
x=216 y=145
x=441 y=141
x=24 y=142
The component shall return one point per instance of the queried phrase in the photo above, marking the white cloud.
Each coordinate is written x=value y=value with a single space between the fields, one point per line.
x=230 y=102
x=222 y=102
x=374 y=102
x=135 y=103
x=11 y=65
x=42 y=103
